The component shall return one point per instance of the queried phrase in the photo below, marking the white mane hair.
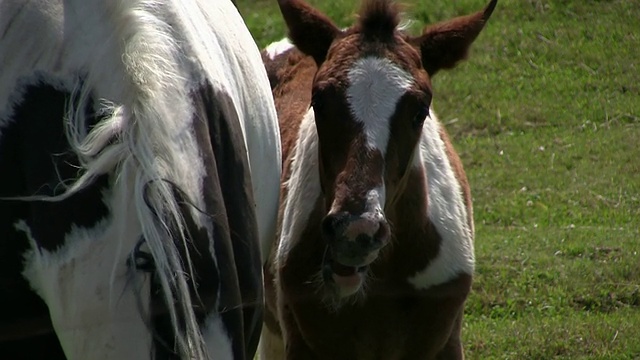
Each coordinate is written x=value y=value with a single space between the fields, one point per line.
x=143 y=58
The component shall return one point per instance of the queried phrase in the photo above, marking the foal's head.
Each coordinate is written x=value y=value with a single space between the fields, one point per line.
x=371 y=95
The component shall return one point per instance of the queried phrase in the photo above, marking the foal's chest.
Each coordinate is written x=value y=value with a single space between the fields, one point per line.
x=381 y=328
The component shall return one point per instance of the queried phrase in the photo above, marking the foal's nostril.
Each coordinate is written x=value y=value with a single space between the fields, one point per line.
x=365 y=233
x=328 y=229
x=333 y=225
x=365 y=241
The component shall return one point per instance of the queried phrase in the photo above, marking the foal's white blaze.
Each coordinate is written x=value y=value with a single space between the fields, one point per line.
x=446 y=210
x=374 y=204
x=375 y=86
x=375 y=200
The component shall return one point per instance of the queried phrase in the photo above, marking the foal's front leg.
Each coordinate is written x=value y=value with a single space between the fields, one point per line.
x=297 y=349
x=453 y=348
x=295 y=346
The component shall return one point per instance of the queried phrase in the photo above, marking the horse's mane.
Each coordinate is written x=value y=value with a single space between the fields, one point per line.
x=153 y=111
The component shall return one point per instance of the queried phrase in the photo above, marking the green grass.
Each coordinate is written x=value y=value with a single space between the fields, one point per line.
x=546 y=117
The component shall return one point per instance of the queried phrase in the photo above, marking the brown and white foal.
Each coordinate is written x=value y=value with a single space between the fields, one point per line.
x=375 y=253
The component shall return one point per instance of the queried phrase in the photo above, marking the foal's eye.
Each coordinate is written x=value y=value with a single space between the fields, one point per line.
x=421 y=116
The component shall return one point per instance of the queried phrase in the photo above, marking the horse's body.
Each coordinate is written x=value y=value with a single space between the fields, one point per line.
x=140 y=168
x=375 y=256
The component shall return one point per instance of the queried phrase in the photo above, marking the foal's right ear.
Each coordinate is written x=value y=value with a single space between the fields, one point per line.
x=444 y=44
x=310 y=31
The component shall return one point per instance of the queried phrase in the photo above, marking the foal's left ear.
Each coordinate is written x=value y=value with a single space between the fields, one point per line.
x=310 y=31
x=444 y=44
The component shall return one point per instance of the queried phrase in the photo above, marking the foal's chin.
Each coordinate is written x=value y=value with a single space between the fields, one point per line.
x=345 y=284
x=338 y=291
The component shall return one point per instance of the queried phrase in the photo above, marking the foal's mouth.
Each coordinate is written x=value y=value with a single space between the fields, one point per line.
x=347 y=277
x=345 y=270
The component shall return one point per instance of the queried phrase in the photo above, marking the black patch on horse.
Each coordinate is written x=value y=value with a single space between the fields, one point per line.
x=228 y=197
x=34 y=160
x=46 y=163
x=232 y=163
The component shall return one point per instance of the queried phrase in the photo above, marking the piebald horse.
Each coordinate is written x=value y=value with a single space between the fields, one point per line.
x=140 y=161
x=375 y=253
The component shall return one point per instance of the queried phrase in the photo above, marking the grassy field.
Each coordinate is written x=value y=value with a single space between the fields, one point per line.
x=546 y=117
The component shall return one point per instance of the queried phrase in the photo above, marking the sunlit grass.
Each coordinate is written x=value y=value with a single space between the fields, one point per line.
x=546 y=116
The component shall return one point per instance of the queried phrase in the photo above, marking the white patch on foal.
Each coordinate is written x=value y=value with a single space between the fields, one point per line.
x=446 y=210
x=376 y=198
x=303 y=191
x=279 y=47
x=375 y=86
x=303 y=186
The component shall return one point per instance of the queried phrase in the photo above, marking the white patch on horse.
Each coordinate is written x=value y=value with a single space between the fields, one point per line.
x=217 y=338
x=86 y=287
x=278 y=47
x=23 y=227
x=303 y=186
x=375 y=86
x=446 y=210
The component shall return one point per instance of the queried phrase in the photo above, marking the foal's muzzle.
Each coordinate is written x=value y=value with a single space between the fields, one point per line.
x=354 y=240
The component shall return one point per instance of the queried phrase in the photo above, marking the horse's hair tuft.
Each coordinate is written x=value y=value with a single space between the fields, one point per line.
x=379 y=19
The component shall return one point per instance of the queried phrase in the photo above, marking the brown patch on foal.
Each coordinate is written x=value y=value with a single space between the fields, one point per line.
x=291 y=74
